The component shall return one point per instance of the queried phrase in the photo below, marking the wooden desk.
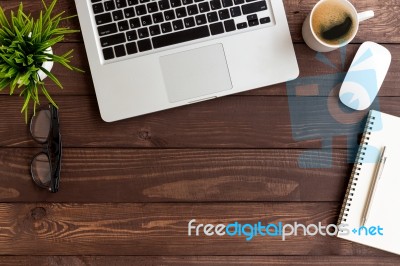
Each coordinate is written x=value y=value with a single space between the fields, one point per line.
x=129 y=189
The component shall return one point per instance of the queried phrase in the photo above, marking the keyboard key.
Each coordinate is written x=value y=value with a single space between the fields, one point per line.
x=154 y=30
x=141 y=10
x=131 y=48
x=123 y=25
x=252 y=17
x=143 y=33
x=265 y=20
x=98 y=8
x=235 y=11
x=254 y=7
x=112 y=39
x=189 y=22
x=146 y=20
x=175 y=3
x=166 y=27
x=250 y=1
x=158 y=18
x=227 y=3
x=216 y=28
x=103 y=18
x=95 y=1
x=144 y=1
x=212 y=17
x=109 y=5
x=177 y=24
x=238 y=2
x=144 y=45
x=229 y=25
x=242 y=25
x=135 y=23
x=204 y=7
x=133 y=2
x=108 y=53
x=192 y=10
x=152 y=7
x=223 y=14
x=253 y=22
x=117 y=15
x=181 y=12
x=169 y=15
x=201 y=19
x=120 y=3
x=187 y=2
x=131 y=35
x=119 y=50
x=164 y=4
x=107 y=29
x=181 y=36
x=129 y=12
x=215 y=4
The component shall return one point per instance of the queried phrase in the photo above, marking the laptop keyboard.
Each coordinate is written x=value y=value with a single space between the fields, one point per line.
x=127 y=27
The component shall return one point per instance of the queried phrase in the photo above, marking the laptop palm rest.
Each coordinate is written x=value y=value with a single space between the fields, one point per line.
x=195 y=73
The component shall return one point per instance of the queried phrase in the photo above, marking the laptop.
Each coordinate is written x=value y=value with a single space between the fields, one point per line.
x=151 y=55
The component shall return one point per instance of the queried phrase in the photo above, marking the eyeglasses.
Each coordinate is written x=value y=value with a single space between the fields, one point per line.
x=46 y=165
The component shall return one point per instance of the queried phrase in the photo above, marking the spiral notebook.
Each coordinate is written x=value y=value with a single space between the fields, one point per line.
x=382 y=229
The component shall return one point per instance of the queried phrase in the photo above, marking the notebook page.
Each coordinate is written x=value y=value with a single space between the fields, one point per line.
x=381 y=229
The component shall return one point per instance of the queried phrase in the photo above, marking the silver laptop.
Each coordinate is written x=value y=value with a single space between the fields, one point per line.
x=151 y=55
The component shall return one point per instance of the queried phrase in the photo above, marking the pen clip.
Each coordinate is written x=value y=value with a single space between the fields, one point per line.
x=382 y=161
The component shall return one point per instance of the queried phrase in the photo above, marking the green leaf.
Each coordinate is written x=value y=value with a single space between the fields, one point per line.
x=4 y=83
x=51 y=76
x=45 y=92
x=3 y=19
x=27 y=100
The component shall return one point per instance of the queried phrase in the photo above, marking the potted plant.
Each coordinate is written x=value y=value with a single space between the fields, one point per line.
x=26 y=55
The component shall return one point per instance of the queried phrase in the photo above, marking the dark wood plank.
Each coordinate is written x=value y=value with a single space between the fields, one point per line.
x=76 y=83
x=197 y=260
x=230 y=122
x=127 y=175
x=383 y=28
x=161 y=229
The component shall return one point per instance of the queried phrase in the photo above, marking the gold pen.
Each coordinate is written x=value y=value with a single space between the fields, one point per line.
x=377 y=175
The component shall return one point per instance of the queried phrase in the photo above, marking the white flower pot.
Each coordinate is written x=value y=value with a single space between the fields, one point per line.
x=48 y=65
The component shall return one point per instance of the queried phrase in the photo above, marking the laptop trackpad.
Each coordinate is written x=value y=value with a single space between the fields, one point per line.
x=195 y=73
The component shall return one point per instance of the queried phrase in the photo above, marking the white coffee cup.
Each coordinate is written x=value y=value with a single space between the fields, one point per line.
x=319 y=45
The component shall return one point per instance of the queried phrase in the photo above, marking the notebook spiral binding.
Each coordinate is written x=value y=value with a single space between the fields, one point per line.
x=351 y=187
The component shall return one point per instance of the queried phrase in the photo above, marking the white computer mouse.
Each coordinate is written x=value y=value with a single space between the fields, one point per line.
x=365 y=76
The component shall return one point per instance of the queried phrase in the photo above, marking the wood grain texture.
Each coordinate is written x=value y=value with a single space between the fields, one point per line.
x=197 y=260
x=230 y=122
x=161 y=229
x=129 y=175
x=128 y=189
x=382 y=28
x=76 y=83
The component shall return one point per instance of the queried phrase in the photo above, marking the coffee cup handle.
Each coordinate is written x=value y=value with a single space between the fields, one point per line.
x=365 y=15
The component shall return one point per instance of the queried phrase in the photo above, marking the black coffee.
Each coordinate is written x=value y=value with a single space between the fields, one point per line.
x=338 y=31
x=332 y=23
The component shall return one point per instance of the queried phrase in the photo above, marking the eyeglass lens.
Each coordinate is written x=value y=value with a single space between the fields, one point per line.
x=40 y=126
x=40 y=130
x=41 y=171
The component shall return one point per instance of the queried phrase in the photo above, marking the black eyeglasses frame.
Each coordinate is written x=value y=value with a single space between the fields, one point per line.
x=52 y=148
